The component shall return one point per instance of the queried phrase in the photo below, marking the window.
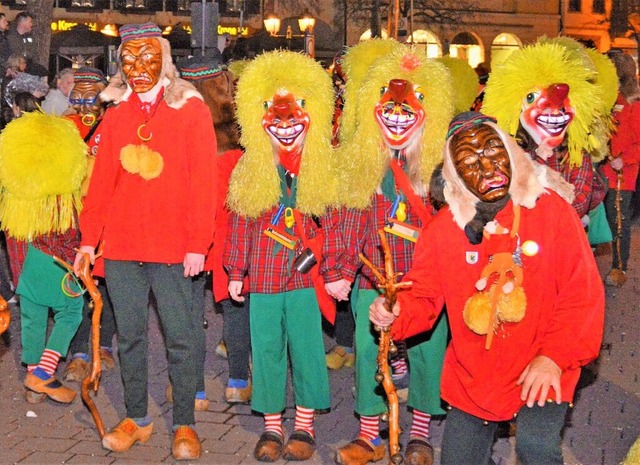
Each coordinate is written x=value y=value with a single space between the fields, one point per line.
x=598 y=7
x=575 y=5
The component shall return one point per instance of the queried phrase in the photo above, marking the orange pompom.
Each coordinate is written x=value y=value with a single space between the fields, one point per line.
x=512 y=306
x=477 y=312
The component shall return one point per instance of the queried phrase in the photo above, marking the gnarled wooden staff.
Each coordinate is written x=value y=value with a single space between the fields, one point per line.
x=92 y=381
x=620 y=276
x=388 y=283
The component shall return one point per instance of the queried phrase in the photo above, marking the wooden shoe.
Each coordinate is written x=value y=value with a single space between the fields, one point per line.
x=34 y=397
x=360 y=451
x=269 y=447
x=186 y=444
x=419 y=452
x=126 y=434
x=76 y=370
x=51 y=387
x=200 y=405
x=106 y=359
x=338 y=357
x=238 y=395
x=300 y=446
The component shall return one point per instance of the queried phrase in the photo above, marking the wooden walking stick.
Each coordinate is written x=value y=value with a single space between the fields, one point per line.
x=92 y=381
x=618 y=275
x=388 y=283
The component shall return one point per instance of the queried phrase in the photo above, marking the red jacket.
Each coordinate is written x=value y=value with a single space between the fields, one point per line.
x=564 y=316
x=625 y=143
x=161 y=219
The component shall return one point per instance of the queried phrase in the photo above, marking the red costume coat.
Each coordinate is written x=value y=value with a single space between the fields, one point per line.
x=161 y=219
x=625 y=143
x=564 y=315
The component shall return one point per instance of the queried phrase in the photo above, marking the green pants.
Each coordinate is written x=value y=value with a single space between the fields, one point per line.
x=40 y=289
x=425 y=360
x=280 y=323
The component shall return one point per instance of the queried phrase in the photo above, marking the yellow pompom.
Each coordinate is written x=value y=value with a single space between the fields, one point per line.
x=477 y=312
x=512 y=306
x=140 y=159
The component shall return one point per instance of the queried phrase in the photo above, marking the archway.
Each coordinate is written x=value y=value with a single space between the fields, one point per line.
x=426 y=40
x=467 y=46
x=502 y=46
x=366 y=35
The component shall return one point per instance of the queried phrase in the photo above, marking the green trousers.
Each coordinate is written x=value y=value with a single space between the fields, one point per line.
x=287 y=322
x=40 y=289
x=425 y=361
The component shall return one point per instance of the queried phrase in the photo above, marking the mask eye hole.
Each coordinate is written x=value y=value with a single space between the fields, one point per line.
x=531 y=97
x=267 y=104
x=383 y=90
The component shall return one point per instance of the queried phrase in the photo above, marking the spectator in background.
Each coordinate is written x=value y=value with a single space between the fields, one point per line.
x=624 y=161
x=5 y=47
x=20 y=38
x=57 y=100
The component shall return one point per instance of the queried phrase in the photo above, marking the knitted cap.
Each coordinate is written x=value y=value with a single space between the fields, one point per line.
x=466 y=120
x=87 y=74
x=139 y=31
x=200 y=68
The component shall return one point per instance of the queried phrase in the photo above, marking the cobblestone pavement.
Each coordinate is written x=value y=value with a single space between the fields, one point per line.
x=602 y=426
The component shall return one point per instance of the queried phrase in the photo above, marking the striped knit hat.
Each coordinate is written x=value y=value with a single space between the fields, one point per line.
x=139 y=31
x=466 y=120
x=200 y=68
x=88 y=74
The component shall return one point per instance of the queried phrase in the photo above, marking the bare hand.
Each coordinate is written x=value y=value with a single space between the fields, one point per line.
x=380 y=315
x=536 y=379
x=617 y=163
x=193 y=264
x=235 y=291
x=339 y=290
x=84 y=249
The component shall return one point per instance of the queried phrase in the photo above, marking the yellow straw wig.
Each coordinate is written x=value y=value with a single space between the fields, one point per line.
x=355 y=64
x=254 y=186
x=536 y=67
x=42 y=165
x=465 y=82
x=364 y=157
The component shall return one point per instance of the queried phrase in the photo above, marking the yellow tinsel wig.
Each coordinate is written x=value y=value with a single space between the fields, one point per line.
x=355 y=65
x=465 y=82
x=254 y=186
x=43 y=161
x=607 y=79
x=364 y=157
x=536 y=67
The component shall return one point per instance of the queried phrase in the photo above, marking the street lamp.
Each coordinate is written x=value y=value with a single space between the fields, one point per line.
x=306 y=23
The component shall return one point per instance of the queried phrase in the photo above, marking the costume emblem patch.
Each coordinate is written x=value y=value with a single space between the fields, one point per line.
x=472 y=257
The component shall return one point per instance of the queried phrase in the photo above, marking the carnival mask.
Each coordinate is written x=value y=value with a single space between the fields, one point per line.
x=399 y=113
x=287 y=123
x=84 y=100
x=482 y=162
x=142 y=63
x=546 y=114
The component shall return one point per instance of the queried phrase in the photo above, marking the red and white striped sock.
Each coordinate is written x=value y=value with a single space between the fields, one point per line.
x=49 y=361
x=369 y=427
x=30 y=368
x=304 y=420
x=420 y=425
x=273 y=422
x=399 y=366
